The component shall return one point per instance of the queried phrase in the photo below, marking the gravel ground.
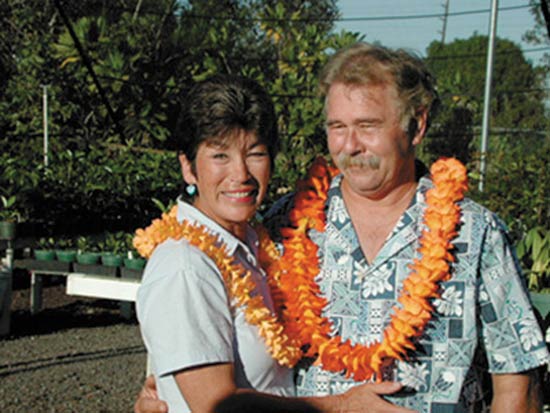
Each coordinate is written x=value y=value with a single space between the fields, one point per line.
x=77 y=355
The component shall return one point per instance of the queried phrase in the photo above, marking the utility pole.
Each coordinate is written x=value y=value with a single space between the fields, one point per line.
x=45 y=122
x=445 y=17
x=487 y=98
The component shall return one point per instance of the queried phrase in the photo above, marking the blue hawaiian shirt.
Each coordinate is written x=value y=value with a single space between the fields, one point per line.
x=483 y=320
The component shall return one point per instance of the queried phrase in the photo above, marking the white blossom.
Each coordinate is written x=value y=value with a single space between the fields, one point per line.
x=450 y=302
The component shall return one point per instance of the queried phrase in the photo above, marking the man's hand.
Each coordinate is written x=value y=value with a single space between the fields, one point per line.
x=148 y=399
x=366 y=398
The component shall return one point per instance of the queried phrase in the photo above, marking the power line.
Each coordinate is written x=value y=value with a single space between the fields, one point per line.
x=481 y=54
x=432 y=15
x=314 y=96
x=88 y=64
x=349 y=19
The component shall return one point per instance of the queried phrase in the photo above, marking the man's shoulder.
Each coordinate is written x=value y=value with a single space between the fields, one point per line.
x=477 y=211
x=277 y=216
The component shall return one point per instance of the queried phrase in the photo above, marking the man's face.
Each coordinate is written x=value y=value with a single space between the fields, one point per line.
x=366 y=139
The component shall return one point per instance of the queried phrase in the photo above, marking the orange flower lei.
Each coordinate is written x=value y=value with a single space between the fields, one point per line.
x=299 y=266
x=239 y=283
x=297 y=296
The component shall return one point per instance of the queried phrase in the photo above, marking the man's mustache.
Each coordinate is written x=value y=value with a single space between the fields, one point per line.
x=346 y=161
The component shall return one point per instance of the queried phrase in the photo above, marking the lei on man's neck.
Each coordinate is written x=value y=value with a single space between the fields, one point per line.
x=299 y=322
x=299 y=267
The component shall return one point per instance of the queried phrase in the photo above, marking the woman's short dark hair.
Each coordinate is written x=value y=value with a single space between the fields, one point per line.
x=215 y=108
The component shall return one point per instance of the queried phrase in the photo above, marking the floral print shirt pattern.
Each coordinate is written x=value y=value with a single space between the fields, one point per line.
x=483 y=320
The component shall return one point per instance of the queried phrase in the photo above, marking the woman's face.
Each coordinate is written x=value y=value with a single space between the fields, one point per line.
x=231 y=177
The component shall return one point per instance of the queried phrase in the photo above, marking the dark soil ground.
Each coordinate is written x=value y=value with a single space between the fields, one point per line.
x=76 y=355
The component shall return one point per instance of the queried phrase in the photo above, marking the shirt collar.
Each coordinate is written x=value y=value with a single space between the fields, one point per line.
x=190 y=213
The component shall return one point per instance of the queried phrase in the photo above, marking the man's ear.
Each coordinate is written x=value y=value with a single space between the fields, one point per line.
x=187 y=170
x=417 y=134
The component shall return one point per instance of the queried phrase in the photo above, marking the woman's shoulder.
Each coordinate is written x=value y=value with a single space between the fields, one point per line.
x=174 y=258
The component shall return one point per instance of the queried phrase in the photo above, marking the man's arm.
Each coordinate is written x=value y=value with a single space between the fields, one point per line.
x=519 y=393
x=365 y=398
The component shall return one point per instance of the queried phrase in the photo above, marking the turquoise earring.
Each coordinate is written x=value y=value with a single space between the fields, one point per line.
x=191 y=190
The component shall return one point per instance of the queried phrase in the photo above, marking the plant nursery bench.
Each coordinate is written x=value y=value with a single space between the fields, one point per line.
x=104 y=283
x=98 y=286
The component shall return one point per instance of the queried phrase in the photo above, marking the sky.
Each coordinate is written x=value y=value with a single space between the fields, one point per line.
x=418 y=33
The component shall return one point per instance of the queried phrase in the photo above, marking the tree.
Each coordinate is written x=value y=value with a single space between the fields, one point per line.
x=518 y=94
x=516 y=181
x=539 y=35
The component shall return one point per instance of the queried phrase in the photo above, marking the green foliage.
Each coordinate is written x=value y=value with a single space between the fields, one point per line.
x=459 y=67
x=115 y=243
x=538 y=35
x=86 y=243
x=534 y=252
x=518 y=189
x=63 y=243
x=46 y=243
x=88 y=192
x=9 y=211
x=145 y=54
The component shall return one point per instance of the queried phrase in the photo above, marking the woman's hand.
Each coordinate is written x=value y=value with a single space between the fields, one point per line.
x=148 y=399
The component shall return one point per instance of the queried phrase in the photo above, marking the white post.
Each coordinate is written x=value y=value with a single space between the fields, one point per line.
x=45 y=121
x=487 y=99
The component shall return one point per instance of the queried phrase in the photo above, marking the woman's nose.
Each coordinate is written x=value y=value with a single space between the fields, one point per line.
x=240 y=170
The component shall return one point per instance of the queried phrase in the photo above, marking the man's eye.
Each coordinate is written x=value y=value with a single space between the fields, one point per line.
x=258 y=153
x=219 y=156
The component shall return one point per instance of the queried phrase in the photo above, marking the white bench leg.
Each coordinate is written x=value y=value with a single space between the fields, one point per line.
x=36 y=292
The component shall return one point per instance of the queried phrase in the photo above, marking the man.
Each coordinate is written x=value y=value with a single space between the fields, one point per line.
x=378 y=108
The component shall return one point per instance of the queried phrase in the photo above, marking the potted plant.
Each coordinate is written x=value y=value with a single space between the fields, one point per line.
x=88 y=257
x=45 y=258
x=133 y=263
x=65 y=250
x=9 y=217
x=86 y=249
x=113 y=249
x=45 y=250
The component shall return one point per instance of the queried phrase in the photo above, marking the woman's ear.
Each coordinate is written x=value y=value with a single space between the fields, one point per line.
x=187 y=170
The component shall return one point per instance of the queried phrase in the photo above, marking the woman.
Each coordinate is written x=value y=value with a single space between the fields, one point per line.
x=199 y=319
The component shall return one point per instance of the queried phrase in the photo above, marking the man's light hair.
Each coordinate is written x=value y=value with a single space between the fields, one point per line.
x=365 y=64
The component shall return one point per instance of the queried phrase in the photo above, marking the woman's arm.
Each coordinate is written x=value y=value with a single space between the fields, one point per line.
x=212 y=389
x=205 y=386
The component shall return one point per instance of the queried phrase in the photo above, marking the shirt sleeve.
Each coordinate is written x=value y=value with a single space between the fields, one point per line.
x=183 y=310
x=511 y=334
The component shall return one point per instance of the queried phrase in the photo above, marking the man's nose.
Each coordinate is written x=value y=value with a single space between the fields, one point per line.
x=352 y=142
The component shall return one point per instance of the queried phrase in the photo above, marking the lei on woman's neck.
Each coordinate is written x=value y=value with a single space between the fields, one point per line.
x=239 y=282
x=297 y=295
